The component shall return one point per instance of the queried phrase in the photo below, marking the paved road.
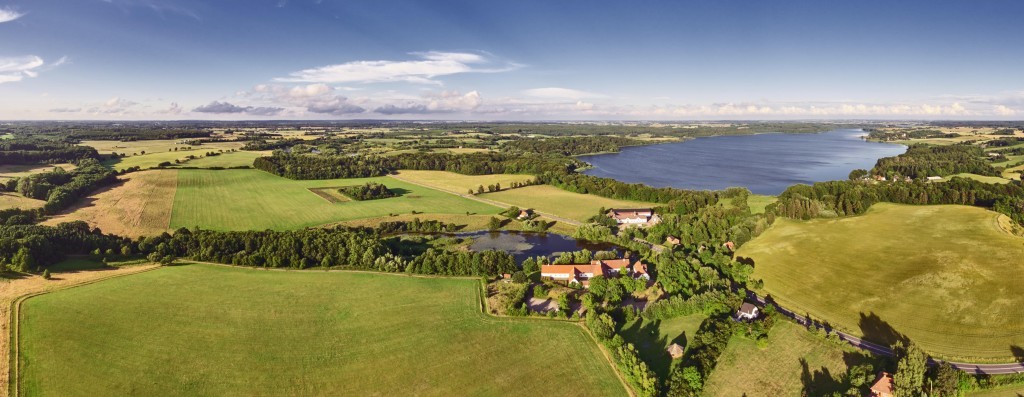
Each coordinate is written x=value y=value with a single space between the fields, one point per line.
x=979 y=369
x=489 y=201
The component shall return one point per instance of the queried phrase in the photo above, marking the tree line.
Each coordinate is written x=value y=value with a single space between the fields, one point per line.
x=921 y=161
x=35 y=151
x=569 y=146
x=60 y=188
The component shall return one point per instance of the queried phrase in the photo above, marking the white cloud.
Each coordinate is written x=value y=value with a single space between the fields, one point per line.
x=560 y=93
x=17 y=68
x=1004 y=110
x=218 y=107
x=8 y=14
x=445 y=102
x=422 y=71
x=119 y=103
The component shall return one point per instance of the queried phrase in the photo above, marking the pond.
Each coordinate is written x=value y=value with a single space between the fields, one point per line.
x=763 y=163
x=526 y=245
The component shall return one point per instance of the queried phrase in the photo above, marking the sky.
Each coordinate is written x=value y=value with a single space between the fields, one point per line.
x=510 y=60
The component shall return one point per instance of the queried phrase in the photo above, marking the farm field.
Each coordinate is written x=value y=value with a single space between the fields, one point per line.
x=14 y=200
x=233 y=331
x=157 y=146
x=948 y=277
x=65 y=274
x=459 y=183
x=794 y=361
x=652 y=338
x=240 y=158
x=559 y=202
x=230 y=200
x=17 y=171
x=980 y=178
x=141 y=206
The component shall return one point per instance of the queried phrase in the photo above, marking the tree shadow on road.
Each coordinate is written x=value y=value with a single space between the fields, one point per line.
x=1018 y=353
x=879 y=331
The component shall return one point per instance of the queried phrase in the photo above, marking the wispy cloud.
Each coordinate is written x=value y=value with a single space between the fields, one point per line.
x=561 y=93
x=424 y=70
x=17 y=68
x=160 y=7
x=8 y=14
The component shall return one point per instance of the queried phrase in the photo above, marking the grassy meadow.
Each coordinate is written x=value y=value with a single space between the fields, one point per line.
x=256 y=200
x=652 y=339
x=8 y=171
x=948 y=277
x=211 y=330
x=459 y=183
x=794 y=361
x=560 y=202
x=240 y=158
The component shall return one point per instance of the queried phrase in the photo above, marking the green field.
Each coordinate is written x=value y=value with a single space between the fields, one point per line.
x=745 y=370
x=226 y=160
x=210 y=330
x=559 y=202
x=979 y=178
x=948 y=277
x=460 y=183
x=256 y=200
x=652 y=339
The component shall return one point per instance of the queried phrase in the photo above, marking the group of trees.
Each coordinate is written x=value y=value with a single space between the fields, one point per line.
x=841 y=198
x=60 y=189
x=37 y=151
x=569 y=146
x=295 y=166
x=922 y=161
x=369 y=191
x=678 y=200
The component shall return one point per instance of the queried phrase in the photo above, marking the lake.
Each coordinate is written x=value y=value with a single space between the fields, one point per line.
x=763 y=163
x=527 y=245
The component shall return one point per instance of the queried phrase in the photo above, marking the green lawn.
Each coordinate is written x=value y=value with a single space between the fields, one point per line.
x=794 y=361
x=209 y=330
x=226 y=160
x=256 y=200
x=560 y=202
x=948 y=277
x=652 y=339
x=979 y=178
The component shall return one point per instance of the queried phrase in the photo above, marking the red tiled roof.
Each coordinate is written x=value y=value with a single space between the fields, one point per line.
x=883 y=387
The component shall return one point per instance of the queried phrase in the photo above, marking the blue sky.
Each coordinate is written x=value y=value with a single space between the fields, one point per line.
x=510 y=60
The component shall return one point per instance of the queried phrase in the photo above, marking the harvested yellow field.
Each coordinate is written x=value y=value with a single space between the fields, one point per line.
x=30 y=285
x=18 y=171
x=157 y=146
x=141 y=206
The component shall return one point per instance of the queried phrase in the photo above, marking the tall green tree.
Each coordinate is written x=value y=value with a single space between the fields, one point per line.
x=908 y=380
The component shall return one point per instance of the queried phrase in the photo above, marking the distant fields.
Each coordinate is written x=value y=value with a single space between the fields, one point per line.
x=210 y=330
x=560 y=202
x=948 y=277
x=256 y=200
x=746 y=370
x=459 y=183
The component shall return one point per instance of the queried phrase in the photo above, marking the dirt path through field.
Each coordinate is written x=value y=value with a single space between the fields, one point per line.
x=140 y=206
x=10 y=290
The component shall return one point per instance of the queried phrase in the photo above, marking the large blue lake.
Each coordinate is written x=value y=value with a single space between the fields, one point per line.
x=764 y=163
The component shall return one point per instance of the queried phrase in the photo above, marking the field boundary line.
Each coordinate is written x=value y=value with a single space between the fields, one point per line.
x=14 y=371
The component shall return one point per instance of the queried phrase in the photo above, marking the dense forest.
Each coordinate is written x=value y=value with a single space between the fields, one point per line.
x=295 y=166
x=331 y=167
x=569 y=146
x=36 y=151
x=921 y=161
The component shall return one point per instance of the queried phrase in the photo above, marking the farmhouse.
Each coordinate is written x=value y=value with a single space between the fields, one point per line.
x=883 y=386
x=525 y=214
x=672 y=240
x=675 y=351
x=582 y=273
x=747 y=312
x=634 y=216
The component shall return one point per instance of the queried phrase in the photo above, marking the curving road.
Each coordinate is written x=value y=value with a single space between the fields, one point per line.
x=978 y=369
